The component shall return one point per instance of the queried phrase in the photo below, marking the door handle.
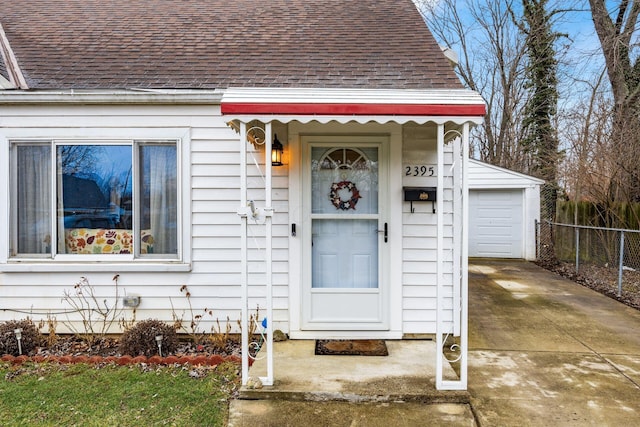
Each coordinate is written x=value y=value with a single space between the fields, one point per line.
x=385 y=231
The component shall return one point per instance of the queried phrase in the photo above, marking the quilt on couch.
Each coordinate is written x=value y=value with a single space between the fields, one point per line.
x=105 y=241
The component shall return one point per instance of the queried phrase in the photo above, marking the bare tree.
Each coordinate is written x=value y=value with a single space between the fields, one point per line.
x=584 y=124
x=618 y=34
x=588 y=167
x=496 y=70
x=77 y=159
x=598 y=119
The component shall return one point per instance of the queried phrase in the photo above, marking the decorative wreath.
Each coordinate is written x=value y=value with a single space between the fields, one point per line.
x=350 y=203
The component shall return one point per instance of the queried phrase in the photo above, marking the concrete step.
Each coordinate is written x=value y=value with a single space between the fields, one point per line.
x=389 y=396
x=286 y=413
x=407 y=374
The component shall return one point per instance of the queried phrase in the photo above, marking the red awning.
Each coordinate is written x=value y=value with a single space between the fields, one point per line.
x=344 y=104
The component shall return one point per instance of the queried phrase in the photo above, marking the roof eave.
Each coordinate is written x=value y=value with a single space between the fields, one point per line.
x=119 y=96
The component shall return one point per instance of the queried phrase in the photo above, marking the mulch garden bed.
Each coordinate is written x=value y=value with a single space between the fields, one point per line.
x=71 y=349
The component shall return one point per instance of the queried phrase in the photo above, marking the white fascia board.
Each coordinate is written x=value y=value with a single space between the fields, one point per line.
x=498 y=186
x=125 y=96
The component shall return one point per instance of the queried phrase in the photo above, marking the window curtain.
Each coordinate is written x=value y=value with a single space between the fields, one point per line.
x=160 y=178
x=33 y=199
x=62 y=247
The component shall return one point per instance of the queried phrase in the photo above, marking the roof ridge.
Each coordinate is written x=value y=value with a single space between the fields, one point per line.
x=16 y=77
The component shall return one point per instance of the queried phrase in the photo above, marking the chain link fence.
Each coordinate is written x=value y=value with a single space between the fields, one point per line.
x=603 y=258
x=600 y=253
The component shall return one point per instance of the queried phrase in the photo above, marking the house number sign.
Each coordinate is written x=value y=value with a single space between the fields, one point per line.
x=419 y=170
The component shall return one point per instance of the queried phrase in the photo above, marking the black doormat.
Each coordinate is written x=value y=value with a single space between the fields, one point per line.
x=351 y=348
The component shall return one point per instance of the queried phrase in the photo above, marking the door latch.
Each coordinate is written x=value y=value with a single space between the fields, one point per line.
x=385 y=231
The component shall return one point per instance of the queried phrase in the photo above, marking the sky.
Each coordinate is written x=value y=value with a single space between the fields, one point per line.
x=579 y=52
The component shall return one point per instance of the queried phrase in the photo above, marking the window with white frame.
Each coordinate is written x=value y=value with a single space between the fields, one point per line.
x=111 y=199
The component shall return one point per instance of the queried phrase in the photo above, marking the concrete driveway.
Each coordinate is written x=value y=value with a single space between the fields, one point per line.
x=545 y=351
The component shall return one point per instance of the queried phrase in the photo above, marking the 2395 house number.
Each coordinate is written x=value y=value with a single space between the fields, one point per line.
x=419 y=170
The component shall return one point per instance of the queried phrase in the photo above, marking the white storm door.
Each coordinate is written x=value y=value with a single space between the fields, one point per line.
x=343 y=287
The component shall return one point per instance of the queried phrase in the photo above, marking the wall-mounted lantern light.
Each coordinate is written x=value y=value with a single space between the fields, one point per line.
x=276 y=152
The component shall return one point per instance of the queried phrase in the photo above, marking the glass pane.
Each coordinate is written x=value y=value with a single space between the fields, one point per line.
x=33 y=212
x=344 y=181
x=159 y=200
x=94 y=199
x=345 y=253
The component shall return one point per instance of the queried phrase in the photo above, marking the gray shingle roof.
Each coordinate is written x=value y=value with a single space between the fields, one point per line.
x=182 y=44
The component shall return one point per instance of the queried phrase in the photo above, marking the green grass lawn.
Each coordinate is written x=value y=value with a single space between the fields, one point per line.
x=84 y=395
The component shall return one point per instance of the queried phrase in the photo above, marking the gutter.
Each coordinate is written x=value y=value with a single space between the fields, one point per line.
x=124 y=96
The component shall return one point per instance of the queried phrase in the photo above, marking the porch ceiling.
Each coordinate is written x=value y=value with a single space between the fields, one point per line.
x=349 y=105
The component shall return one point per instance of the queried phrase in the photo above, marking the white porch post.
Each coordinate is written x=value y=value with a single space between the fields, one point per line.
x=460 y=261
x=249 y=212
x=439 y=257
x=456 y=171
x=268 y=380
x=243 y=254
x=464 y=285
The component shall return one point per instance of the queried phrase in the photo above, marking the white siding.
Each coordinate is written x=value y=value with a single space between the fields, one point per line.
x=485 y=176
x=212 y=189
x=419 y=231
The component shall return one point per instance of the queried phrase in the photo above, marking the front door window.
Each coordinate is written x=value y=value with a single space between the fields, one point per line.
x=344 y=217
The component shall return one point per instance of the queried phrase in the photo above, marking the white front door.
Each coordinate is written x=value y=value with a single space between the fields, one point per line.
x=346 y=236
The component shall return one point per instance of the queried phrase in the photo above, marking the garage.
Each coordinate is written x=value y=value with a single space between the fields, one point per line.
x=503 y=209
x=496 y=223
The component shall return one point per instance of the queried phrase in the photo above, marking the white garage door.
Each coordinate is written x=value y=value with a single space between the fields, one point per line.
x=495 y=223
